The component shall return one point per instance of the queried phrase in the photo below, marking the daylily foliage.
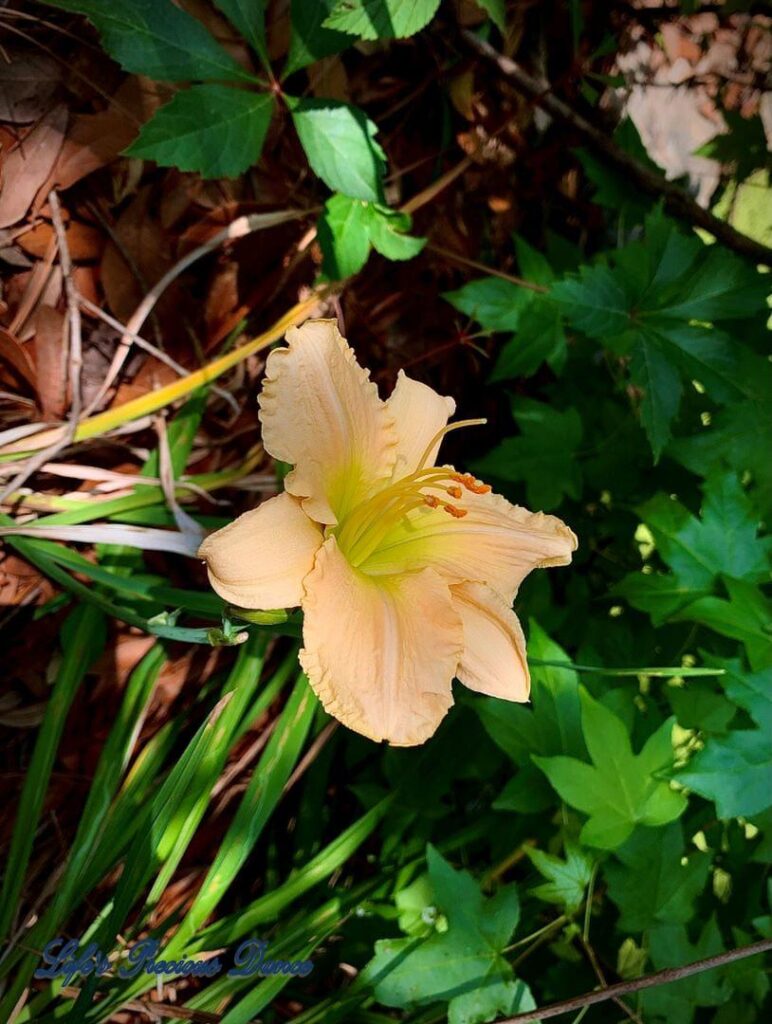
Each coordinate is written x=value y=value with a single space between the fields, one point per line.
x=406 y=571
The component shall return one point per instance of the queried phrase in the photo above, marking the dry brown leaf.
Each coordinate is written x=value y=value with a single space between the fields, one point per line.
x=94 y=140
x=12 y=353
x=51 y=379
x=83 y=241
x=141 y=250
x=27 y=83
x=27 y=167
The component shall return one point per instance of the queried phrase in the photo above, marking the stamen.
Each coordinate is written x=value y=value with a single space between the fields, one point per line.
x=446 y=430
x=457 y=513
x=431 y=501
x=455 y=492
x=471 y=484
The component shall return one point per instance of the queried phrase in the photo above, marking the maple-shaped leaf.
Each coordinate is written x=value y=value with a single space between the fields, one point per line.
x=744 y=615
x=734 y=771
x=461 y=956
x=543 y=455
x=644 y=302
x=567 y=879
x=652 y=880
x=676 y=1002
x=620 y=789
x=721 y=542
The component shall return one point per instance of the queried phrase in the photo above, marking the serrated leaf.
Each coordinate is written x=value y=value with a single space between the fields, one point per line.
x=543 y=456
x=661 y=384
x=310 y=40
x=387 y=234
x=722 y=541
x=348 y=227
x=381 y=19
x=749 y=690
x=158 y=39
x=644 y=300
x=675 y=1002
x=734 y=771
x=466 y=955
x=659 y=595
x=619 y=789
x=745 y=615
x=339 y=141
x=650 y=882
x=344 y=236
x=213 y=129
x=698 y=706
x=539 y=338
x=495 y=303
x=567 y=879
x=248 y=16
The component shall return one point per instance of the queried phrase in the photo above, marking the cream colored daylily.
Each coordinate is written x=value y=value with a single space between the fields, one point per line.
x=405 y=571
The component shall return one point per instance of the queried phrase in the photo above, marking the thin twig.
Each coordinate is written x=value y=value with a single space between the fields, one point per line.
x=73 y=352
x=236 y=229
x=677 y=201
x=636 y=984
x=151 y=349
x=474 y=265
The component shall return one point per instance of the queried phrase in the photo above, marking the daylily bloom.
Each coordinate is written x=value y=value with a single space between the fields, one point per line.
x=406 y=571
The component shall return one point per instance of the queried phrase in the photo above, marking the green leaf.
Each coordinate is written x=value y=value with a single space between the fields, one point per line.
x=497 y=10
x=496 y=304
x=344 y=236
x=739 y=437
x=661 y=384
x=620 y=789
x=675 y=1003
x=643 y=300
x=348 y=227
x=158 y=39
x=310 y=40
x=463 y=953
x=381 y=19
x=387 y=234
x=745 y=616
x=751 y=691
x=339 y=141
x=651 y=880
x=744 y=145
x=698 y=706
x=487 y=1003
x=543 y=456
x=213 y=129
x=734 y=771
x=539 y=338
x=660 y=596
x=722 y=541
x=552 y=724
x=248 y=16
x=567 y=879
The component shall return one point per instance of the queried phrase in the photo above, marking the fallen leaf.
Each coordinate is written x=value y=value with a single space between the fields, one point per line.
x=27 y=83
x=51 y=381
x=12 y=353
x=83 y=241
x=137 y=257
x=27 y=167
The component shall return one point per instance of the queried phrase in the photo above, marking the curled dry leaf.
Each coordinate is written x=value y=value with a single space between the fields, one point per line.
x=51 y=378
x=27 y=83
x=83 y=241
x=13 y=355
x=27 y=167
